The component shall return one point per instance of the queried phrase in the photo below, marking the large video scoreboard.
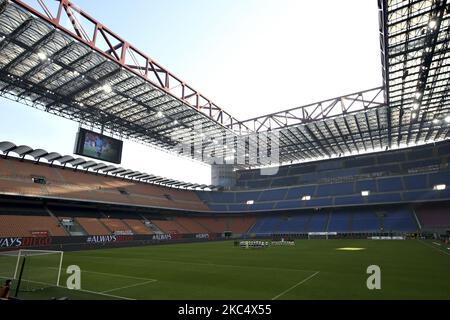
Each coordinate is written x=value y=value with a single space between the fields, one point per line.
x=97 y=146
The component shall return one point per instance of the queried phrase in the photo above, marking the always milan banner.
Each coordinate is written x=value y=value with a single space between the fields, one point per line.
x=24 y=242
x=101 y=241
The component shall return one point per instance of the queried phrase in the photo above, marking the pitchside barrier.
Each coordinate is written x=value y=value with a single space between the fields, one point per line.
x=95 y=242
x=75 y=243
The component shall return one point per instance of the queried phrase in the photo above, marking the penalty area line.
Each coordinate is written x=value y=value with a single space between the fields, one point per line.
x=101 y=294
x=130 y=286
x=296 y=285
x=432 y=247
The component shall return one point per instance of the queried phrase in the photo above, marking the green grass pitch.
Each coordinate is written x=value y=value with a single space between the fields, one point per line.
x=313 y=269
x=107 y=154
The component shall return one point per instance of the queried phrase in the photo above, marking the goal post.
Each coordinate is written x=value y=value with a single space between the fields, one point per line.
x=33 y=270
x=321 y=235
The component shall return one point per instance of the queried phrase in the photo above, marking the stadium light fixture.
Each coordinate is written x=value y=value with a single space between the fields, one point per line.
x=365 y=193
x=418 y=95
x=432 y=24
x=415 y=106
x=414 y=115
x=250 y=202
x=42 y=56
x=440 y=187
x=306 y=198
x=107 y=88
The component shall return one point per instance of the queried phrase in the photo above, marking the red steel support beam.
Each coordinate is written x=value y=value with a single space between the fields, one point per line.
x=150 y=70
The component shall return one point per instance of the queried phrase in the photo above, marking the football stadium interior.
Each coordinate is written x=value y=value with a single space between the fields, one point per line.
x=358 y=180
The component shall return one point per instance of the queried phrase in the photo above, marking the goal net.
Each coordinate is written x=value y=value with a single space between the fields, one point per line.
x=322 y=235
x=31 y=270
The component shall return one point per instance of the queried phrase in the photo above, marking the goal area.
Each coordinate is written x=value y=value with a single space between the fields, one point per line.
x=31 y=270
x=322 y=235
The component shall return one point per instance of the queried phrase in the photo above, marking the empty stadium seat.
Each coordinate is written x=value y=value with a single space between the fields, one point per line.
x=339 y=222
x=24 y=226
x=93 y=226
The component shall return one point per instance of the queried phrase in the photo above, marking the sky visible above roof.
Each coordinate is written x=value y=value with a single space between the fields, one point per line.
x=250 y=57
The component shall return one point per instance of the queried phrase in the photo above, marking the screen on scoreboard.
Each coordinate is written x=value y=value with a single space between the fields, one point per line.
x=95 y=145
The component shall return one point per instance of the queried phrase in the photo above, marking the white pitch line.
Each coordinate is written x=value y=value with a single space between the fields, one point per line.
x=83 y=290
x=102 y=294
x=437 y=249
x=295 y=286
x=131 y=286
x=207 y=264
x=114 y=275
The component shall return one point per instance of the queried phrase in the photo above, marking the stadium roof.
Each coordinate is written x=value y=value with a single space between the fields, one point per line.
x=415 y=38
x=56 y=57
x=6 y=148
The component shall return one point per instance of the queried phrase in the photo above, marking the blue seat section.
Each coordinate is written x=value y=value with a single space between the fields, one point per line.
x=273 y=195
x=384 y=198
x=391 y=168
x=290 y=204
x=248 y=174
x=222 y=197
x=366 y=185
x=299 y=192
x=420 y=195
x=360 y=161
x=350 y=200
x=366 y=221
x=259 y=184
x=399 y=176
x=416 y=182
x=442 y=177
x=327 y=190
x=337 y=173
x=339 y=222
x=420 y=164
x=265 y=225
x=267 y=206
x=444 y=150
x=317 y=203
x=389 y=184
x=302 y=169
x=262 y=206
x=246 y=196
x=422 y=153
x=329 y=165
x=342 y=221
x=204 y=196
x=242 y=183
x=399 y=220
x=398 y=156
x=295 y=224
x=445 y=194
x=318 y=222
x=282 y=182
x=308 y=178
